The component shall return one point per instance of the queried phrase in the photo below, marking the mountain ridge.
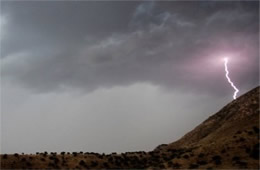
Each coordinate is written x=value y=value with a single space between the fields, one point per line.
x=225 y=115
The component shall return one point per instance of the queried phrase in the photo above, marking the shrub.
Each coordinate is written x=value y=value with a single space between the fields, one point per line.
x=238 y=132
x=94 y=163
x=250 y=132
x=193 y=166
x=5 y=156
x=118 y=163
x=202 y=162
x=235 y=158
x=28 y=164
x=56 y=160
x=217 y=159
x=201 y=155
x=162 y=166
x=56 y=166
x=75 y=154
x=100 y=156
x=255 y=152
x=125 y=163
x=51 y=164
x=186 y=156
x=105 y=164
x=82 y=163
x=62 y=153
x=13 y=163
x=16 y=155
x=23 y=159
x=110 y=159
x=165 y=158
x=242 y=164
x=169 y=163
x=241 y=139
x=247 y=149
x=176 y=165
x=256 y=129
x=45 y=153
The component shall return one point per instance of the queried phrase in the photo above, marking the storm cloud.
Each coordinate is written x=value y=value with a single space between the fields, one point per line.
x=54 y=45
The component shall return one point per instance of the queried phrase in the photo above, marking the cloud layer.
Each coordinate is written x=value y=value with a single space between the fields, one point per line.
x=175 y=47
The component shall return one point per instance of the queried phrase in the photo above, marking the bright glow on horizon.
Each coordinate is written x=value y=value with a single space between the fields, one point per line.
x=229 y=80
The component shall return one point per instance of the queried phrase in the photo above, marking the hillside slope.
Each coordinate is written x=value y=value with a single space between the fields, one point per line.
x=228 y=139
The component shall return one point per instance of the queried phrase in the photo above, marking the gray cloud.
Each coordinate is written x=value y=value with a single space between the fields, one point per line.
x=145 y=9
x=151 y=44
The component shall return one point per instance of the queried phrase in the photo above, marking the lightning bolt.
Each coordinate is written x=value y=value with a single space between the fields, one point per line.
x=230 y=82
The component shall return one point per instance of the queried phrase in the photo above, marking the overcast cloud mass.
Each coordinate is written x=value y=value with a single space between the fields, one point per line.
x=119 y=76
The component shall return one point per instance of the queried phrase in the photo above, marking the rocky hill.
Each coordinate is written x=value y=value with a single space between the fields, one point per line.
x=228 y=139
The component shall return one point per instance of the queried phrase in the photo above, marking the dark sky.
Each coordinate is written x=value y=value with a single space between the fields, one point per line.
x=119 y=76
